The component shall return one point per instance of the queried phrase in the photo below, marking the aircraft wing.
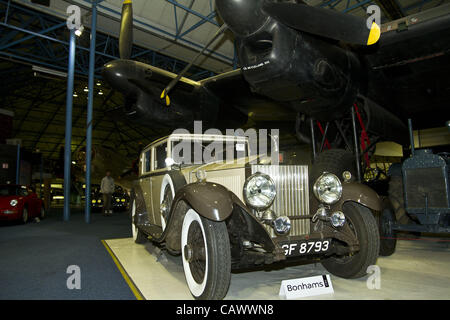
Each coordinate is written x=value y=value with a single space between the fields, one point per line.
x=232 y=88
x=410 y=67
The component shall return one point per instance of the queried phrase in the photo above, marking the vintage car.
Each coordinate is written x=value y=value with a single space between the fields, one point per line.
x=120 y=199
x=227 y=215
x=19 y=202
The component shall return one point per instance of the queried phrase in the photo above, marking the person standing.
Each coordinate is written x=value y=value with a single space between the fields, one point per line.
x=107 y=189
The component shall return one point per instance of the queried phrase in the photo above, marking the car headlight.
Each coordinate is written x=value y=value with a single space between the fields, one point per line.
x=259 y=191
x=123 y=200
x=94 y=201
x=13 y=202
x=328 y=188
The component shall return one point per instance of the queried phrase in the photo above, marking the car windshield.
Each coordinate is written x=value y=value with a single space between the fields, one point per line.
x=207 y=151
x=8 y=190
x=12 y=191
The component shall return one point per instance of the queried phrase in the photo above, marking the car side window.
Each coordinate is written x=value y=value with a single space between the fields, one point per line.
x=147 y=161
x=23 y=192
x=160 y=156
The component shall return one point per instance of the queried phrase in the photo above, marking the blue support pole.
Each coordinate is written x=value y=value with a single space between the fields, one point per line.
x=87 y=211
x=67 y=145
x=41 y=175
x=18 y=165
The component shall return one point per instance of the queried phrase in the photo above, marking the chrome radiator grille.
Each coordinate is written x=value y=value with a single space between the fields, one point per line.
x=292 y=194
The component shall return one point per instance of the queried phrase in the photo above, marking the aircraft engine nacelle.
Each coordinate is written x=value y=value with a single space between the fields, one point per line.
x=142 y=97
x=316 y=76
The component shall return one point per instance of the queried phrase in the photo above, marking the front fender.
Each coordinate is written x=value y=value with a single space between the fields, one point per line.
x=360 y=193
x=210 y=200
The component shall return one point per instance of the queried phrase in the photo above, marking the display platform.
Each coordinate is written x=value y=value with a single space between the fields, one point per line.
x=419 y=269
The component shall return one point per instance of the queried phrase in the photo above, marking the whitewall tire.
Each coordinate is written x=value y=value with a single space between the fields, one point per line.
x=134 y=230
x=138 y=236
x=206 y=256
x=165 y=200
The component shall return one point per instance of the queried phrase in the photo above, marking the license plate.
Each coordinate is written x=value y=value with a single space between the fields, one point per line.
x=305 y=247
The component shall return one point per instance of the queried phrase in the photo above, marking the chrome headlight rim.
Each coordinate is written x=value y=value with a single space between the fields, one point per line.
x=338 y=187
x=13 y=202
x=246 y=199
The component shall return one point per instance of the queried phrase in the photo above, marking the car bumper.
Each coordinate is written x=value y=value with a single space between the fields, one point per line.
x=121 y=205
x=9 y=214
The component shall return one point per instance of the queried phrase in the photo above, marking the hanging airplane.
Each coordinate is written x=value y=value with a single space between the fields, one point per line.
x=297 y=59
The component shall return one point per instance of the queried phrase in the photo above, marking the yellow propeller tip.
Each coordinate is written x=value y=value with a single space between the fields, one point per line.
x=374 y=34
x=163 y=94
x=127 y=1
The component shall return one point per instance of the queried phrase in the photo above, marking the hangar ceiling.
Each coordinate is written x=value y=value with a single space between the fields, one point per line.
x=168 y=34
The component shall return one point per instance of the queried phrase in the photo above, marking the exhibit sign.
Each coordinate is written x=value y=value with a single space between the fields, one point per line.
x=306 y=287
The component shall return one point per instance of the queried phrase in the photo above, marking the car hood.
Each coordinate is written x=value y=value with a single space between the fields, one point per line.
x=224 y=165
x=5 y=200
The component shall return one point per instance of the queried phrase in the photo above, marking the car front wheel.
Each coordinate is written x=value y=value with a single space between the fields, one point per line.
x=206 y=256
x=363 y=225
x=24 y=215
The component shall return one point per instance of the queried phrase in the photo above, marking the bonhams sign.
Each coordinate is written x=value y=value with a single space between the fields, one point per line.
x=306 y=287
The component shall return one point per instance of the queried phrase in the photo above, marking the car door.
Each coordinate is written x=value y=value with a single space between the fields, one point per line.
x=145 y=182
x=26 y=199
x=159 y=156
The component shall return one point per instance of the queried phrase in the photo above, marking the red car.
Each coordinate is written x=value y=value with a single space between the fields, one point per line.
x=19 y=203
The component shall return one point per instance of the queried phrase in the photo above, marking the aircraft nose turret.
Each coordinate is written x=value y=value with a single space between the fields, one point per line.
x=242 y=17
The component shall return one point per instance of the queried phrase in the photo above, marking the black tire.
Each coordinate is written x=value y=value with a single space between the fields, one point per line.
x=138 y=236
x=397 y=200
x=207 y=270
x=362 y=221
x=24 y=218
x=388 y=237
x=335 y=161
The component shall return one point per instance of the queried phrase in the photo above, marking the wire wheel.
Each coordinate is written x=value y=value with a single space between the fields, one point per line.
x=196 y=252
x=166 y=204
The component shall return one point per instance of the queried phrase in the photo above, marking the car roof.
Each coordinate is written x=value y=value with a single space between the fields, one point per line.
x=196 y=136
x=13 y=185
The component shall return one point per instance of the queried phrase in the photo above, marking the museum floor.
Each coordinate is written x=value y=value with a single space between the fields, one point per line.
x=35 y=257
x=419 y=269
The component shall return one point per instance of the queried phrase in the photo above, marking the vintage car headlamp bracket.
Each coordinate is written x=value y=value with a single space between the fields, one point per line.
x=328 y=188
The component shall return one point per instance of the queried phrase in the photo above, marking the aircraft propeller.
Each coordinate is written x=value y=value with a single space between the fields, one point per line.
x=126 y=30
